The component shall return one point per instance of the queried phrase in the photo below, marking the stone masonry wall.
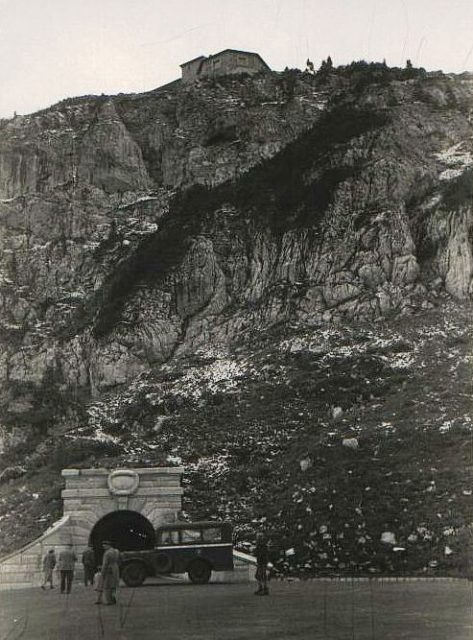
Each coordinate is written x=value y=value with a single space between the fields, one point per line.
x=89 y=495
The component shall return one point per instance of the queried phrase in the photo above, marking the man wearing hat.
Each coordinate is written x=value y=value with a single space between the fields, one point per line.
x=110 y=572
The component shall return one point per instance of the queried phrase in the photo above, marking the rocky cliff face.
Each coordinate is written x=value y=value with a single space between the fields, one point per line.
x=139 y=227
x=85 y=189
x=137 y=230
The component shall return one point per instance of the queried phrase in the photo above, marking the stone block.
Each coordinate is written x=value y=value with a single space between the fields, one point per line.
x=137 y=504
x=104 y=493
x=164 y=508
x=19 y=585
x=164 y=481
x=29 y=560
x=94 y=472
x=10 y=568
x=160 y=471
x=80 y=532
x=11 y=560
x=57 y=538
x=85 y=515
x=86 y=483
x=73 y=504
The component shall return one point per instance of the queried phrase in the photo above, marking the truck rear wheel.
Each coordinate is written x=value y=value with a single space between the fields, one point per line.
x=199 y=572
x=163 y=563
x=133 y=574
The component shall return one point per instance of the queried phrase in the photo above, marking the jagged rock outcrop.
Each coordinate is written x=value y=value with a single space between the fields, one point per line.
x=137 y=228
x=108 y=157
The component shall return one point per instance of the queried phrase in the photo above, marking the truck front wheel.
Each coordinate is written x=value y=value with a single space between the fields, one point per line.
x=199 y=572
x=133 y=574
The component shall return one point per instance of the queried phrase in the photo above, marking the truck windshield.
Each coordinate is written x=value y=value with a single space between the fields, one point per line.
x=170 y=537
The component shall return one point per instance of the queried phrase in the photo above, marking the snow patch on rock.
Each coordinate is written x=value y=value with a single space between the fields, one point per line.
x=457 y=159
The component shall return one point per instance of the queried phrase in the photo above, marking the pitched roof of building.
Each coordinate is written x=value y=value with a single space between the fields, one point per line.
x=215 y=55
x=193 y=60
x=250 y=53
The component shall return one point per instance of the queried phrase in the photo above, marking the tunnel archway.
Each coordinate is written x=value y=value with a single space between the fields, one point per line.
x=126 y=530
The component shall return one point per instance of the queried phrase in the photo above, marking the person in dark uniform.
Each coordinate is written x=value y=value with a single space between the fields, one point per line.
x=89 y=564
x=261 y=554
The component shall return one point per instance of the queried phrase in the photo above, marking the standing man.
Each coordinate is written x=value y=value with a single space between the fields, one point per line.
x=88 y=562
x=110 y=572
x=261 y=553
x=66 y=563
x=49 y=562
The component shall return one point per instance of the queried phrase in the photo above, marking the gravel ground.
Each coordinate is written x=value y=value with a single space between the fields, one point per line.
x=299 y=610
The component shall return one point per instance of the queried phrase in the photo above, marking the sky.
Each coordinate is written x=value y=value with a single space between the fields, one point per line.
x=54 y=49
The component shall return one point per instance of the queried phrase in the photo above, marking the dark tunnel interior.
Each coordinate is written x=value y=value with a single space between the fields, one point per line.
x=126 y=530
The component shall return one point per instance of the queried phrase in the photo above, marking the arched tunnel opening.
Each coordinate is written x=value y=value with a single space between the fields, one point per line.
x=126 y=530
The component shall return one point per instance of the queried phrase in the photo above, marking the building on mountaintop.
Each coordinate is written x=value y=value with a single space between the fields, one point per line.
x=229 y=61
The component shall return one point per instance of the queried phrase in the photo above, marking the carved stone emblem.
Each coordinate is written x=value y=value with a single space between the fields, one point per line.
x=123 y=482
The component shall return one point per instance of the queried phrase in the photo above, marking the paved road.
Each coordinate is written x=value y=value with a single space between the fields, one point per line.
x=293 y=611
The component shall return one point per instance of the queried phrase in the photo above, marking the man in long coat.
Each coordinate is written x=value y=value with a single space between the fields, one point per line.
x=110 y=572
x=66 y=563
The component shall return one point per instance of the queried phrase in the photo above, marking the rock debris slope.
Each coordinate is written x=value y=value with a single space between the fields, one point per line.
x=141 y=232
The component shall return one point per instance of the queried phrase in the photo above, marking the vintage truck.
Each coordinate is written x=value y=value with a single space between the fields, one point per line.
x=196 y=548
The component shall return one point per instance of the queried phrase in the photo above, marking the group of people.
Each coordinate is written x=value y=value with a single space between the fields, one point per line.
x=104 y=578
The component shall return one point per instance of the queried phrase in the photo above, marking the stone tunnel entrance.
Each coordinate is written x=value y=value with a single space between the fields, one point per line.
x=124 y=506
x=127 y=530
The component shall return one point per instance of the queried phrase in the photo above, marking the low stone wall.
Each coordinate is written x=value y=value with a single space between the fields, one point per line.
x=245 y=563
x=244 y=569
x=23 y=568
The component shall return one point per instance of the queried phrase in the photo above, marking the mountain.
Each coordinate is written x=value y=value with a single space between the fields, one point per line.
x=267 y=279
